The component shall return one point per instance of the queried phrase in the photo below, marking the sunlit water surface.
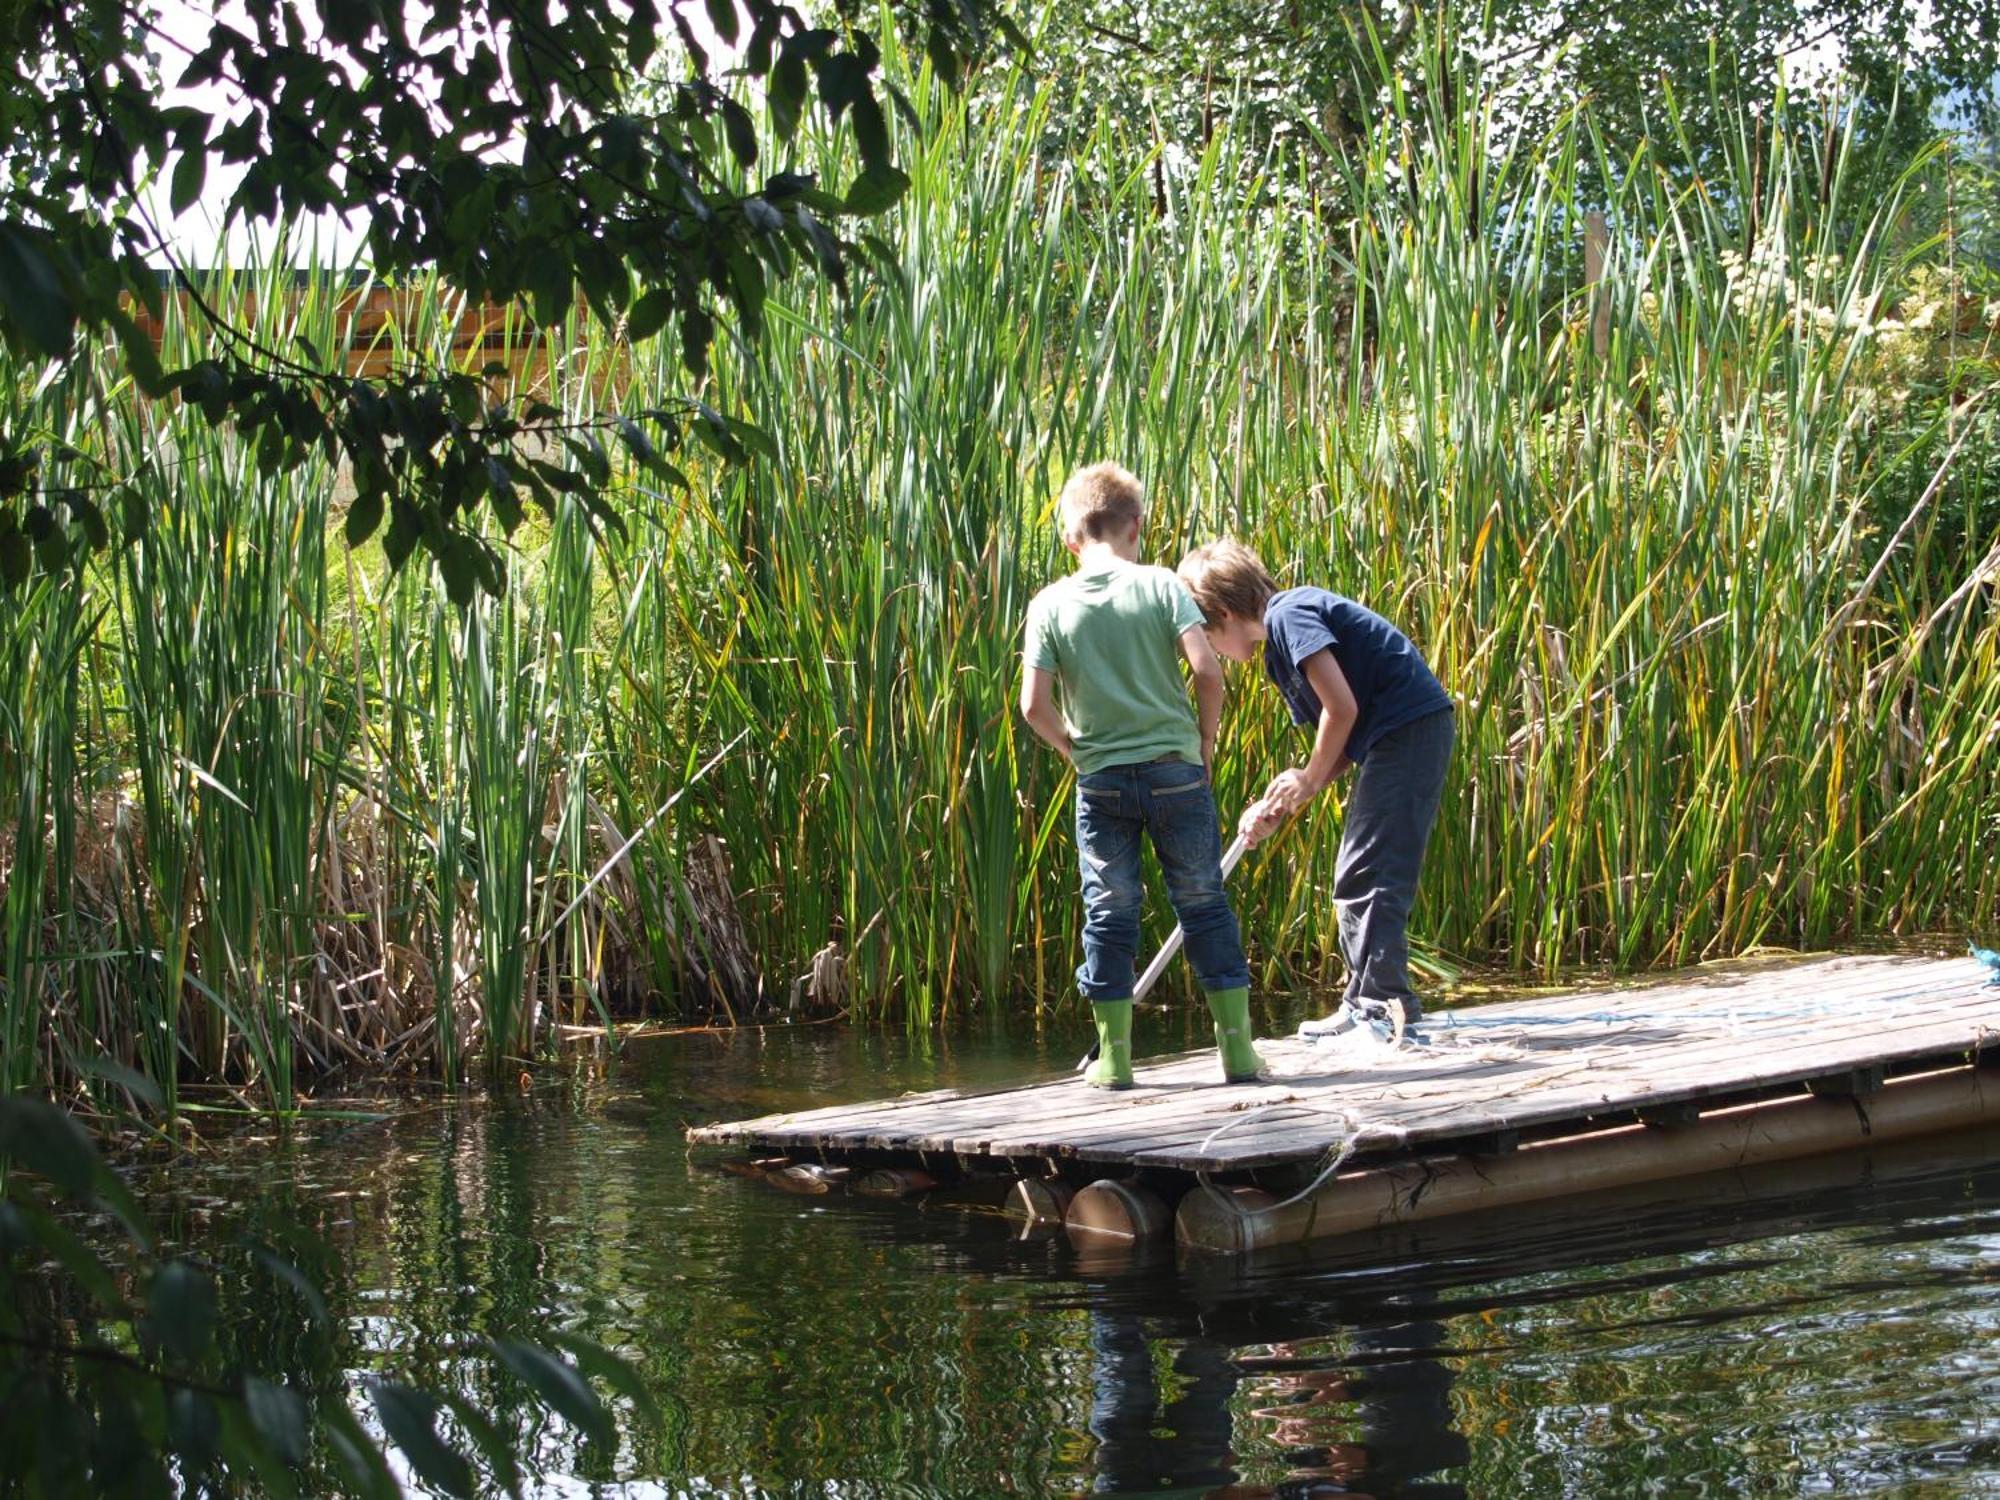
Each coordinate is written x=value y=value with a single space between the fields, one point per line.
x=1830 y=1327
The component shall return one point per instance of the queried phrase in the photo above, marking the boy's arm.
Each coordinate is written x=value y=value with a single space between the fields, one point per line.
x=1291 y=790
x=1208 y=689
x=1038 y=707
x=1337 y=713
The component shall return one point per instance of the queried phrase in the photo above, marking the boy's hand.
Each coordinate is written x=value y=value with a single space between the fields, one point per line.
x=1258 y=823
x=1288 y=792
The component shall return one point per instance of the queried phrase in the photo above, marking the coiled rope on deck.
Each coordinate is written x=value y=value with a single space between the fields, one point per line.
x=1438 y=1038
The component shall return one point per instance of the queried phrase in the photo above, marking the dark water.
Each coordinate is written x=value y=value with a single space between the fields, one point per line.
x=1826 y=1328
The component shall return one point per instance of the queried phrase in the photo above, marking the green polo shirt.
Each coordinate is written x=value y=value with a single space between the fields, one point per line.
x=1111 y=635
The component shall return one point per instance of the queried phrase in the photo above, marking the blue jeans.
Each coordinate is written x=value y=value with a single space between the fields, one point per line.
x=1389 y=815
x=1170 y=801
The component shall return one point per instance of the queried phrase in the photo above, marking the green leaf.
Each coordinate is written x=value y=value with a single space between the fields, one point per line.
x=560 y=1386
x=491 y=569
x=355 y=1453
x=27 y=1223
x=189 y=174
x=180 y=1310
x=597 y=1361
x=788 y=93
x=90 y=521
x=145 y=284
x=500 y=488
x=843 y=81
x=140 y=356
x=363 y=516
x=752 y=437
x=283 y=1270
x=15 y=471
x=634 y=438
x=563 y=480
x=552 y=284
x=400 y=541
x=51 y=549
x=722 y=16
x=43 y=1139
x=459 y=563
x=111 y=1071
x=133 y=515
x=757 y=56
x=605 y=515
x=591 y=458
x=410 y=1418
x=17 y=559
x=876 y=190
x=740 y=132
x=494 y=1445
x=248 y=1454
x=32 y=293
x=649 y=314
x=871 y=133
x=193 y=1426
x=280 y=1415
x=697 y=330
x=713 y=433
x=944 y=60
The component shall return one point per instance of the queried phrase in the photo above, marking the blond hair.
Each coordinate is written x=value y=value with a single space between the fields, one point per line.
x=1226 y=577
x=1099 y=501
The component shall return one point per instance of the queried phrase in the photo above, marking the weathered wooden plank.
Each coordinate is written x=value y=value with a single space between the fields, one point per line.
x=1621 y=1086
x=1155 y=1126
x=1611 y=1089
x=1063 y=1129
x=1495 y=1022
x=1045 y=1132
x=1495 y=1069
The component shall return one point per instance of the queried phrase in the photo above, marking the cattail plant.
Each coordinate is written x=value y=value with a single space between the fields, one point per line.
x=1725 y=678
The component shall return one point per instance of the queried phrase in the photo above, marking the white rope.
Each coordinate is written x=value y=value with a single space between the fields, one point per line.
x=1442 y=1039
x=1349 y=1141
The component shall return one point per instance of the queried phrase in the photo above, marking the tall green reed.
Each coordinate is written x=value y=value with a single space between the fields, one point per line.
x=1708 y=700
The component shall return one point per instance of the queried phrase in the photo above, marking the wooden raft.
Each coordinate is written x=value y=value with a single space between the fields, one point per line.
x=1486 y=1079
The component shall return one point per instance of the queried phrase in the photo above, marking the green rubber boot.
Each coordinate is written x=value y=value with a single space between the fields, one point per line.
x=1231 y=1009
x=1113 y=1068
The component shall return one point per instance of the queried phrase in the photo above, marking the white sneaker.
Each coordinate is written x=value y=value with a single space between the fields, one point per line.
x=1344 y=1018
x=1377 y=1020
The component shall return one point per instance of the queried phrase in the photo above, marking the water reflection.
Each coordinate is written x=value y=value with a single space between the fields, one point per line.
x=1829 y=1325
x=1350 y=1405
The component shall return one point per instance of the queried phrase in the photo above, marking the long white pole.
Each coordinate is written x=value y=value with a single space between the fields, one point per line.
x=1230 y=857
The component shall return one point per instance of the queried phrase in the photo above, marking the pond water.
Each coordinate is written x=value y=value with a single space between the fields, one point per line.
x=1830 y=1327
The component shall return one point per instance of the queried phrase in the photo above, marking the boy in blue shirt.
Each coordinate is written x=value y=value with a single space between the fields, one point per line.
x=1111 y=637
x=1355 y=681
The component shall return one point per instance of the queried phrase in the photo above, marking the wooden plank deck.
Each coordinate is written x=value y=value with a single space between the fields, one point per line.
x=1486 y=1076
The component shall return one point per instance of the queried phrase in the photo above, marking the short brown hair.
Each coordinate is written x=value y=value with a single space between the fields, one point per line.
x=1227 y=577
x=1099 y=500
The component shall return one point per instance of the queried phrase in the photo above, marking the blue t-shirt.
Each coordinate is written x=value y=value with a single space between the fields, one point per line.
x=1392 y=686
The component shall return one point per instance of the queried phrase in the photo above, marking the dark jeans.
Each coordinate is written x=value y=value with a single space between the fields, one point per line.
x=1170 y=801
x=1389 y=817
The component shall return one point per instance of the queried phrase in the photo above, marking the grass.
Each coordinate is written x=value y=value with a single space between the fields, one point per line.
x=273 y=812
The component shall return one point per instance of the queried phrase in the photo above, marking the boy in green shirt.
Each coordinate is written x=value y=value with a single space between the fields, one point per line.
x=1112 y=635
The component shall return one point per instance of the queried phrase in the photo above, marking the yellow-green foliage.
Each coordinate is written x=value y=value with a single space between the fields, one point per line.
x=1724 y=655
